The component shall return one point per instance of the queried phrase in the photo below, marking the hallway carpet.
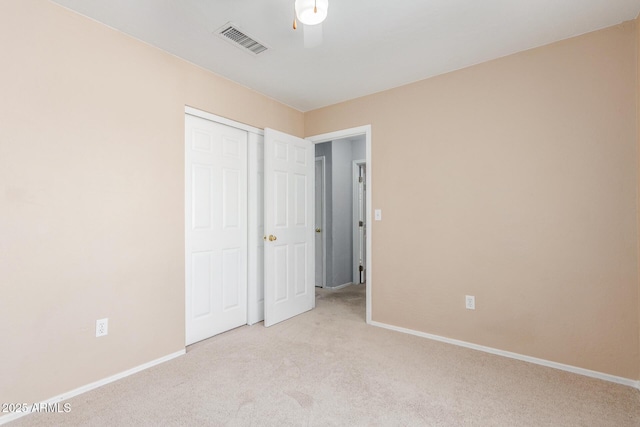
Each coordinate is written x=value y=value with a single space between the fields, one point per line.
x=328 y=368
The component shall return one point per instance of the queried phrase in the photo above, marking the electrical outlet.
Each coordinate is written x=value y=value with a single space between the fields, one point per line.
x=102 y=327
x=470 y=302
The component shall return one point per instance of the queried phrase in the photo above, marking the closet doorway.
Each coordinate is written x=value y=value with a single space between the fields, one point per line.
x=249 y=232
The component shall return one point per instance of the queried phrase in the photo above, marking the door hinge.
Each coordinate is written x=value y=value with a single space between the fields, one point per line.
x=361 y=268
x=359 y=179
x=360 y=224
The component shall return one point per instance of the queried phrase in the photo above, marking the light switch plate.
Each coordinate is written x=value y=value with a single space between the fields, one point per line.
x=378 y=214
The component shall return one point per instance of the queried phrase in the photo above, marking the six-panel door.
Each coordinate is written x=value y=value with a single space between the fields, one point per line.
x=289 y=226
x=215 y=227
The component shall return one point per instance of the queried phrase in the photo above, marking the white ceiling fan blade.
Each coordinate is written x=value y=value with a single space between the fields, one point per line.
x=312 y=35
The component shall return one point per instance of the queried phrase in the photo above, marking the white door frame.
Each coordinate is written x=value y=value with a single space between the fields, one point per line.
x=356 y=217
x=255 y=279
x=323 y=226
x=347 y=133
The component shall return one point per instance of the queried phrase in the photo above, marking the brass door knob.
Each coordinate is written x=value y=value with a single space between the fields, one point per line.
x=318 y=230
x=272 y=237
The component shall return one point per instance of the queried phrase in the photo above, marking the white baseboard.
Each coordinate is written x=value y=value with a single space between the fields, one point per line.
x=335 y=288
x=68 y=395
x=535 y=360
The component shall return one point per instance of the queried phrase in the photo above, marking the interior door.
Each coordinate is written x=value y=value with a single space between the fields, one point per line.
x=289 y=265
x=362 y=222
x=319 y=217
x=215 y=228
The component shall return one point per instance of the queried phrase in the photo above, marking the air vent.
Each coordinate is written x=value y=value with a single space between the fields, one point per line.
x=238 y=38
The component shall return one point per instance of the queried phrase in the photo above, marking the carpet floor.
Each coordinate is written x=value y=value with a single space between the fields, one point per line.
x=328 y=368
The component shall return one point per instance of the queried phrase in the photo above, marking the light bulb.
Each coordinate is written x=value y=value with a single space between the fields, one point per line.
x=311 y=12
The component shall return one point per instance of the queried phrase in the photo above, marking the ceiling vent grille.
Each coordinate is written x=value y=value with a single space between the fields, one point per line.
x=233 y=35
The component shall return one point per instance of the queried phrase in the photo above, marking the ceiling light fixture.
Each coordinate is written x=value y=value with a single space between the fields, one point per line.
x=311 y=12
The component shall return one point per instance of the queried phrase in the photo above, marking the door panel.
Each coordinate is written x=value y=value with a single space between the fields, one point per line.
x=300 y=256
x=300 y=200
x=201 y=263
x=231 y=278
x=202 y=177
x=231 y=195
x=289 y=224
x=215 y=228
x=281 y=258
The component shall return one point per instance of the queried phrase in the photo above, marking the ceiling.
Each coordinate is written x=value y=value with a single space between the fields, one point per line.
x=369 y=45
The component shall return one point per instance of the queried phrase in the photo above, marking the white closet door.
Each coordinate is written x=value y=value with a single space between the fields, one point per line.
x=289 y=226
x=215 y=227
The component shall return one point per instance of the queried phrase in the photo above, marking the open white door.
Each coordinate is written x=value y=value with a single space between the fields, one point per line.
x=289 y=264
x=359 y=221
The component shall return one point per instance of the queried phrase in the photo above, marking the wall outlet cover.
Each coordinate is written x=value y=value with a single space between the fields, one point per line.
x=470 y=302
x=102 y=327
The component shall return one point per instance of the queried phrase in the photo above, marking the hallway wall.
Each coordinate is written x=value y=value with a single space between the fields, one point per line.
x=339 y=156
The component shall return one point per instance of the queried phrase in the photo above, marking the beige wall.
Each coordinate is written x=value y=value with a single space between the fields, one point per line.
x=518 y=176
x=514 y=181
x=91 y=195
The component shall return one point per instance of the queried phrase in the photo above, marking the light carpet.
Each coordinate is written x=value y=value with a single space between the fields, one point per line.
x=328 y=368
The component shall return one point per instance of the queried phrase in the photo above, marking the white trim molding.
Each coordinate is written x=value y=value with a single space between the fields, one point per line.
x=340 y=134
x=335 y=288
x=323 y=225
x=85 y=388
x=223 y=120
x=517 y=356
